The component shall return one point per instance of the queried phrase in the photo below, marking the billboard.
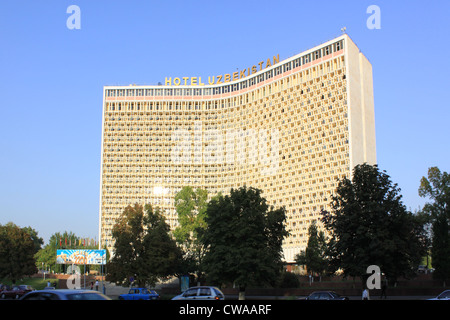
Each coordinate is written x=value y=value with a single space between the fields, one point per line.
x=80 y=256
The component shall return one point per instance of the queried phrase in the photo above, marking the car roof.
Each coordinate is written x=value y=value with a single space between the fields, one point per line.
x=68 y=291
x=62 y=292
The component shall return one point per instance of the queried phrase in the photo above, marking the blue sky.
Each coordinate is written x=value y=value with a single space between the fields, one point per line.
x=51 y=81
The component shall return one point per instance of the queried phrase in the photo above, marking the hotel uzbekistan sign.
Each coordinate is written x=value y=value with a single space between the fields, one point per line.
x=224 y=78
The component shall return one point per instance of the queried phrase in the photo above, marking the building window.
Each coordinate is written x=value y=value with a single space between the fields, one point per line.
x=286 y=67
x=261 y=78
x=306 y=59
x=317 y=55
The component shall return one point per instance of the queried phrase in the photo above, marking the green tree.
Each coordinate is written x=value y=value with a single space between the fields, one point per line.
x=369 y=225
x=437 y=188
x=17 y=249
x=314 y=257
x=46 y=257
x=191 y=207
x=38 y=241
x=143 y=248
x=243 y=238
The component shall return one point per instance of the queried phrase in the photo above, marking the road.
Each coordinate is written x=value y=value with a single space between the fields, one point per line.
x=235 y=297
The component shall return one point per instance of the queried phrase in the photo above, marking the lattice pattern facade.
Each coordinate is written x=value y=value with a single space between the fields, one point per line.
x=291 y=130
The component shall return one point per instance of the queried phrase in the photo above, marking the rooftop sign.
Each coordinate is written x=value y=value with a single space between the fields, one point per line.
x=223 y=78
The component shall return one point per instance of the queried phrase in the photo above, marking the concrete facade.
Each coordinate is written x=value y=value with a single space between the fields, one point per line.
x=291 y=129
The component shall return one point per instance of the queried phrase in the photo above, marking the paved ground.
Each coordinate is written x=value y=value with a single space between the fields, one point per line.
x=230 y=297
x=114 y=291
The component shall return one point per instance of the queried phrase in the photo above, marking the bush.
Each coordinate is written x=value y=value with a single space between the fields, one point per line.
x=289 y=280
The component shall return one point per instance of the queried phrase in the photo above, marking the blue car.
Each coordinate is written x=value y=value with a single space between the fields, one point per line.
x=140 y=294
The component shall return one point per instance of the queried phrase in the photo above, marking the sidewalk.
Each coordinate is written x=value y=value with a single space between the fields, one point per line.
x=113 y=291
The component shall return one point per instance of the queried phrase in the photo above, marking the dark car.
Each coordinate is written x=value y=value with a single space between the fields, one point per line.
x=445 y=295
x=4 y=287
x=325 y=295
x=64 y=294
x=16 y=292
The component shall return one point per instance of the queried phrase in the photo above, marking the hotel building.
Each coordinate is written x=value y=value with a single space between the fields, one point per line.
x=291 y=128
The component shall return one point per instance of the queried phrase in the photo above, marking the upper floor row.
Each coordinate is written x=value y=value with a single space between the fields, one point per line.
x=213 y=88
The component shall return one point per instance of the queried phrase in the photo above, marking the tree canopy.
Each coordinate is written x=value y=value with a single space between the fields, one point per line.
x=191 y=207
x=243 y=237
x=143 y=248
x=369 y=225
x=314 y=257
x=437 y=187
x=17 y=249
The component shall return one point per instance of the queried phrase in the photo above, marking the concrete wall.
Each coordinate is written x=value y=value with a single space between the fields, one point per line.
x=361 y=111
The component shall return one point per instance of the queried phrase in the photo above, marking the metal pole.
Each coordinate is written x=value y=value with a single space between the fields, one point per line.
x=84 y=270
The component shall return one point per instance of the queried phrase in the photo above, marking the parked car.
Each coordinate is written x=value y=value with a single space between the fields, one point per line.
x=4 y=287
x=422 y=269
x=140 y=294
x=201 y=293
x=16 y=291
x=64 y=294
x=325 y=295
x=445 y=295
x=49 y=288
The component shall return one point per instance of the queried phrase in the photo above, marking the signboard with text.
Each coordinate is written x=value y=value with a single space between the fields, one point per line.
x=80 y=256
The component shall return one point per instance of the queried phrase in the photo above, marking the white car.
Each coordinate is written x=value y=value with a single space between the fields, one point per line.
x=64 y=294
x=443 y=296
x=201 y=293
